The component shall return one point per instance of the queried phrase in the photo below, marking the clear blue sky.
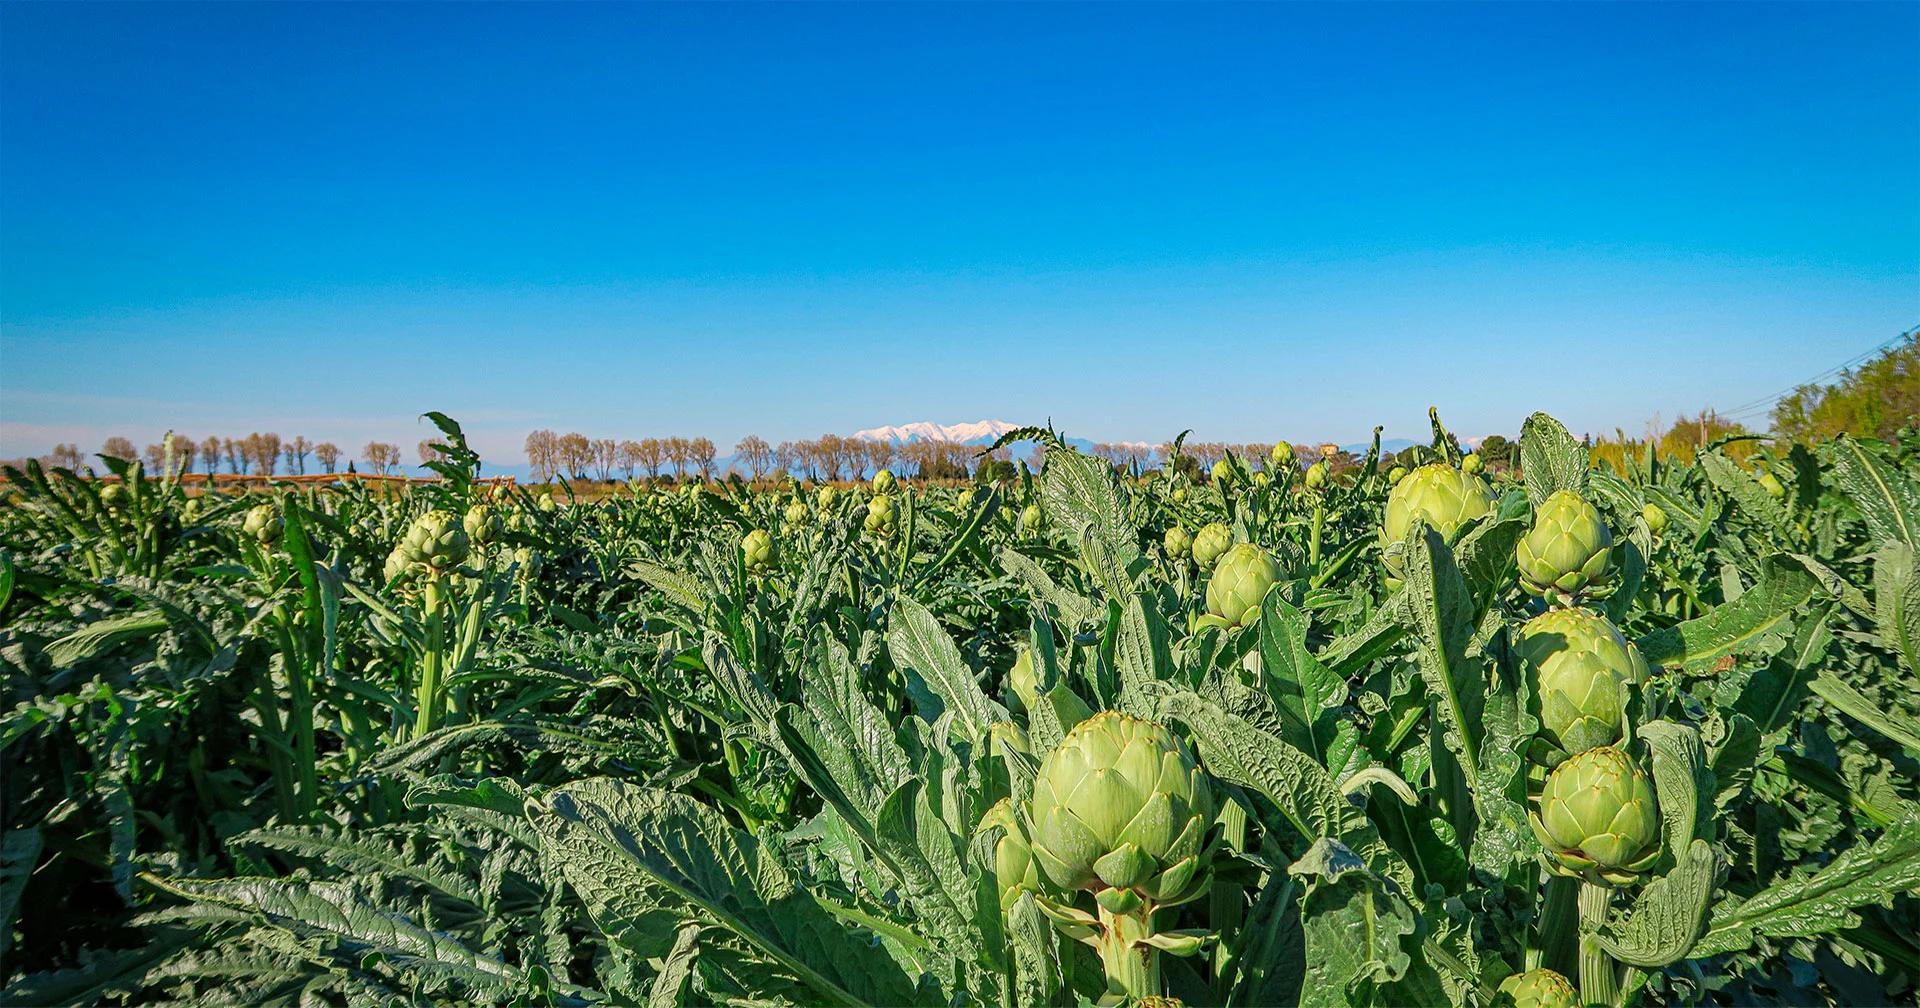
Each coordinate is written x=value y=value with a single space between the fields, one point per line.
x=1255 y=221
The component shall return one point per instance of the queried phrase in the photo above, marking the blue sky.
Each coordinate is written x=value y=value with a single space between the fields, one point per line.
x=1255 y=221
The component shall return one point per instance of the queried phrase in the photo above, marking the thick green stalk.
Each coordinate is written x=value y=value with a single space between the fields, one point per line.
x=1557 y=934
x=427 y=699
x=1227 y=902
x=1133 y=966
x=1319 y=524
x=1599 y=976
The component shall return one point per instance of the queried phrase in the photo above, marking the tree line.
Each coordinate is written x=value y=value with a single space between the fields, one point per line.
x=257 y=454
x=828 y=457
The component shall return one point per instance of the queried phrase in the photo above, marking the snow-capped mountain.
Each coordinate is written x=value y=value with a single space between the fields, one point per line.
x=980 y=432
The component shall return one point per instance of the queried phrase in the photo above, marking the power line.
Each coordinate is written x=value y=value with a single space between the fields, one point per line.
x=1767 y=402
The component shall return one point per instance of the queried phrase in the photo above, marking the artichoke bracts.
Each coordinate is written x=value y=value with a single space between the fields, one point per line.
x=482 y=524
x=1030 y=518
x=436 y=541
x=1067 y=706
x=1282 y=456
x=1120 y=810
x=883 y=481
x=797 y=513
x=1317 y=474
x=262 y=524
x=1222 y=472
x=1568 y=553
x=1541 y=988
x=756 y=549
x=1178 y=543
x=1583 y=673
x=1443 y=496
x=1597 y=818
x=1014 y=868
x=1239 y=584
x=1213 y=540
x=880 y=518
x=1656 y=519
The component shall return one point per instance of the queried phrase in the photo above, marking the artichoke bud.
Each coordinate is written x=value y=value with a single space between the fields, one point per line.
x=1442 y=495
x=547 y=506
x=756 y=548
x=1395 y=475
x=114 y=496
x=1213 y=540
x=436 y=540
x=1030 y=518
x=1178 y=543
x=263 y=524
x=1569 y=551
x=1121 y=804
x=1471 y=465
x=1541 y=988
x=964 y=502
x=797 y=513
x=827 y=496
x=526 y=563
x=1014 y=869
x=1223 y=472
x=1317 y=475
x=1240 y=582
x=482 y=524
x=1584 y=671
x=396 y=565
x=1282 y=455
x=879 y=520
x=1656 y=519
x=1597 y=819
x=1180 y=495
x=883 y=481
x=1262 y=480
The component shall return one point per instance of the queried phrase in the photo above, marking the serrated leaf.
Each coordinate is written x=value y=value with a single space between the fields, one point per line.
x=937 y=678
x=1888 y=500
x=670 y=984
x=101 y=636
x=1668 y=915
x=1353 y=921
x=1550 y=459
x=1824 y=901
x=1762 y=614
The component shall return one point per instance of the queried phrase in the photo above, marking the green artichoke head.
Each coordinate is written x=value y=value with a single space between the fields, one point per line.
x=1180 y=495
x=1178 y=543
x=964 y=502
x=1656 y=519
x=1597 y=819
x=1223 y=472
x=827 y=496
x=1396 y=474
x=1282 y=456
x=1120 y=804
x=1213 y=540
x=436 y=540
x=1443 y=496
x=547 y=505
x=1584 y=671
x=883 y=481
x=526 y=563
x=263 y=524
x=1317 y=475
x=880 y=517
x=482 y=524
x=1471 y=465
x=797 y=513
x=1569 y=551
x=756 y=548
x=1240 y=582
x=1262 y=480
x=114 y=496
x=1014 y=869
x=1541 y=988
x=1030 y=518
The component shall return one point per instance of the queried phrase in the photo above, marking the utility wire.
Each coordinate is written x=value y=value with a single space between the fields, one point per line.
x=1766 y=403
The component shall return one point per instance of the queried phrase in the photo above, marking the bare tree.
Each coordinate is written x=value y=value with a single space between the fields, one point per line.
x=755 y=454
x=297 y=451
x=239 y=460
x=210 y=451
x=629 y=458
x=65 y=456
x=786 y=457
x=120 y=448
x=381 y=457
x=576 y=454
x=679 y=452
x=266 y=452
x=606 y=455
x=653 y=455
x=327 y=454
x=543 y=454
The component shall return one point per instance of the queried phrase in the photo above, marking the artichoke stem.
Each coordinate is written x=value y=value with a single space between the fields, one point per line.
x=1558 y=929
x=428 y=701
x=1319 y=524
x=1599 y=976
x=1133 y=966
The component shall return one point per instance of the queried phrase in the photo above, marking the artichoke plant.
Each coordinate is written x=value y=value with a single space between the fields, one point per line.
x=964 y=502
x=1030 y=518
x=1444 y=497
x=1262 y=480
x=1540 y=988
x=1223 y=472
x=797 y=513
x=1014 y=869
x=883 y=481
x=482 y=524
x=263 y=524
x=1597 y=819
x=114 y=496
x=1121 y=810
x=1239 y=584
x=880 y=517
x=756 y=549
x=1317 y=475
x=1584 y=671
x=1568 y=554
x=436 y=540
x=1214 y=539
x=1178 y=543
x=827 y=497
x=1282 y=456
x=1656 y=519
x=1396 y=474
x=1471 y=465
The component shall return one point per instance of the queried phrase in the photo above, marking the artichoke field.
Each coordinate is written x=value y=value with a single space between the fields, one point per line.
x=1268 y=733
